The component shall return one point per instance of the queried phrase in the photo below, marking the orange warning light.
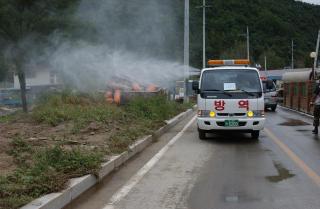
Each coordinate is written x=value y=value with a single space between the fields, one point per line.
x=229 y=62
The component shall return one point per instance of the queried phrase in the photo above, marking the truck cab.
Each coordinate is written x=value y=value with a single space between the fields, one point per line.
x=230 y=97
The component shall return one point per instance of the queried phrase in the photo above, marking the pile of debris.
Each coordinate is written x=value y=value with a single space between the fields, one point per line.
x=121 y=90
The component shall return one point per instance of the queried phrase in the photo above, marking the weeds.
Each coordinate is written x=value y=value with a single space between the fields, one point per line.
x=20 y=151
x=11 y=117
x=49 y=171
x=45 y=170
x=80 y=109
x=156 y=108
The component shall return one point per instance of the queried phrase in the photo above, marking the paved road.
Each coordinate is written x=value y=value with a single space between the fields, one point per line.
x=227 y=171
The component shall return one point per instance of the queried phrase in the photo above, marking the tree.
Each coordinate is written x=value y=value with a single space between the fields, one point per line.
x=273 y=60
x=272 y=23
x=24 y=25
x=3 y=69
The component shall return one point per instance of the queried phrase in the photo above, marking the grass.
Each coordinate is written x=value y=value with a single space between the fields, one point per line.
x=155 y=108
x=10 y=117
x=42 y=170
x=145 y=115
x=80 y=108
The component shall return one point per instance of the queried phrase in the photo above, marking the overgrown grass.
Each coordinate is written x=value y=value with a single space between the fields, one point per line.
x=44 y=172
x=81 y=109
x=20 y=150
x=156 y=108
x=10 y=117
x=146 y=115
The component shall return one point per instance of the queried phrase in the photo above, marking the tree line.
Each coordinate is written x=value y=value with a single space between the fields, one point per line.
x=272 y=24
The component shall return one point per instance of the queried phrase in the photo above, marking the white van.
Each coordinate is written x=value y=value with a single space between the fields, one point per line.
x=230 y=97
x=270 y=94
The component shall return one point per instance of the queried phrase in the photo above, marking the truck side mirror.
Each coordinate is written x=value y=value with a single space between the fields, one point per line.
x=195 y=86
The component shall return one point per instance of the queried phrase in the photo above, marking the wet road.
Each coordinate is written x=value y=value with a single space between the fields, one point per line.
x=228 y=171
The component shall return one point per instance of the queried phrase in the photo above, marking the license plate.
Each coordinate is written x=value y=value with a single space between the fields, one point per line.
x=231 y=123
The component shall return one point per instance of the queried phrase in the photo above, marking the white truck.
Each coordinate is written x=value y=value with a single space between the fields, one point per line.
x=230 y=97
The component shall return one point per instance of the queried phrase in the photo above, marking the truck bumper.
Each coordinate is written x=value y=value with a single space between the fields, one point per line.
x=245 y=124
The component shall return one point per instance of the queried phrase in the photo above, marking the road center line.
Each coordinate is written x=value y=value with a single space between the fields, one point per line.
x=120 y=194
x=306 y=169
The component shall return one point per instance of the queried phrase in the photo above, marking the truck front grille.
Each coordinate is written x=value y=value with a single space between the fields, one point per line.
x=231 y=114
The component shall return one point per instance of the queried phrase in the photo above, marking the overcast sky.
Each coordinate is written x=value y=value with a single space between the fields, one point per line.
x=312 y=1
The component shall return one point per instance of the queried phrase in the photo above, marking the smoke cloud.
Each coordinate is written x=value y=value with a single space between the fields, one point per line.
x=140 y=40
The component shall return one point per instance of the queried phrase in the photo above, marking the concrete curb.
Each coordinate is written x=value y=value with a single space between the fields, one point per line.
x=296 y=111
x=77 y=186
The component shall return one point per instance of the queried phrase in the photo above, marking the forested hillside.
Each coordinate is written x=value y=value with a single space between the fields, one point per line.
x=155 y=28
x=272 y=24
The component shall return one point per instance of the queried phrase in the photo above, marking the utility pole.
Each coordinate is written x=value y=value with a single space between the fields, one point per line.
x=314 y=55
x=204 y=34
x=186 y=49
x=265 y=63
x=317 y=52
x=204 y=6
x=292 y=62
x=248 y=44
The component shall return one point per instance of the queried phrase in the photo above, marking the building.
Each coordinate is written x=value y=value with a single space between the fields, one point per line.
x=38 y=78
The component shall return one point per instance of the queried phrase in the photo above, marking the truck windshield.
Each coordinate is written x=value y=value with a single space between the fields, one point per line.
x=231 y=80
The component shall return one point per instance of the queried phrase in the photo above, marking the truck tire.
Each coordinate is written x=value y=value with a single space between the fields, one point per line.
x=202 y=134
x=255 y=135
x=273 y=108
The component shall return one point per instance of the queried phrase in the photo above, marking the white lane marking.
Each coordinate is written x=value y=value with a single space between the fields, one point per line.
x=120 y=194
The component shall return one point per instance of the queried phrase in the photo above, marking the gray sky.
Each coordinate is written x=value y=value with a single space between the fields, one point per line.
x=312 y=1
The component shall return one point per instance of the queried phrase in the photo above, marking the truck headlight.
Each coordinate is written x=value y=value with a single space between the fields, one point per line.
x=205 y=113
x=212 y=114
x=250 y=114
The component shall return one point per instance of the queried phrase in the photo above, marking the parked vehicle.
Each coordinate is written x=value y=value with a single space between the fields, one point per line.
x=230 y=97
x=270 y=95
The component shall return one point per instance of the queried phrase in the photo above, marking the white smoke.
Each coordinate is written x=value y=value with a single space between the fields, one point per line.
x=138 y=39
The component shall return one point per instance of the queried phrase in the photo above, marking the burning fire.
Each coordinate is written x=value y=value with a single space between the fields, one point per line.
x=120 y=90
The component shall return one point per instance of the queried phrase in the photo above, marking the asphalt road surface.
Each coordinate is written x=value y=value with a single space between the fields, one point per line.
x=281 y=170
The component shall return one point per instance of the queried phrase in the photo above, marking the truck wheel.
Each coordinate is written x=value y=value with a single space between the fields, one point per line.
x=202 y=134
x=273 y=108
x=255 y=134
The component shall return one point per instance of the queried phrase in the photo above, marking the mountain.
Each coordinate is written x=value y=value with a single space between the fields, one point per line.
x=273 y=24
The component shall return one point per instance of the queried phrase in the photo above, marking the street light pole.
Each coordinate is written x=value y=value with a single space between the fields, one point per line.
x=186 y=49
x=204 y=34
x=313 y=73
x=292 y=62
x=314 y=56
x=248 y=44
x=317 y=52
